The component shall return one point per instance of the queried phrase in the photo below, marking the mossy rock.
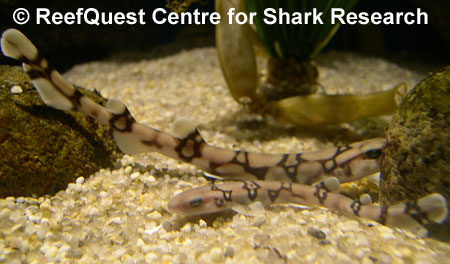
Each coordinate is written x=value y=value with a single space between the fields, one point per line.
x=417 y=160
x=44 y=149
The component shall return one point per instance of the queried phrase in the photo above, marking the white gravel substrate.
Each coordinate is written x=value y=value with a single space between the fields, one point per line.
x=120 y=216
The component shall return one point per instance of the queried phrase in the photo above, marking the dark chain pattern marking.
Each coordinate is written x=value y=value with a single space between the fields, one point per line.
x=273 y=194
x=37 y=71
x=412 y=209
x=356 y=206
x=151 y=143
x=226 y=194
x=339 y=150
x=321 y=192
x=259 y=173
x=252 y=189
x=129 y=120
x=291 y=170
x=197 y=143
x=219 y=202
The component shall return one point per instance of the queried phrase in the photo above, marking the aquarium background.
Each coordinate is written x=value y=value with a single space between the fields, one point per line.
x=66 y=45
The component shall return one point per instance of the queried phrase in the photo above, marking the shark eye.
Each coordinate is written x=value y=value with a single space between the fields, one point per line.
x=196 y=202
x=373 y=153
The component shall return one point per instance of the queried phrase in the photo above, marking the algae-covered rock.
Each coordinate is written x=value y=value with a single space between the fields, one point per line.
x=417 y=160
x=43 y=149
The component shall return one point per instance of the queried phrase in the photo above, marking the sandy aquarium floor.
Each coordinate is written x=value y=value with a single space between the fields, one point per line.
x=120 y=216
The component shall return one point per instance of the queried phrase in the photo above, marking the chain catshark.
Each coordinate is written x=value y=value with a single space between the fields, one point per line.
x=246 y=197
x=348 y=162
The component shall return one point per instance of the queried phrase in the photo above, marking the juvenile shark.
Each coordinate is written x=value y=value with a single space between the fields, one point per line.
x=347 y=163
x=244 y=197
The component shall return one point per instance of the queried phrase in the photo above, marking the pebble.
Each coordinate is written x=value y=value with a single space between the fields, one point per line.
x=116 y=220
x=150 y=257
x=154 y=215
x=348 y=225
x=216 y=255
x=20 y=200
x=134 y=175
x=16 y=216
x=152 y=230
x=362 y=241
x=181 y=258
x=64 y=248
x=93 y=211
x=151 y=179
x=16 y=89
x=120 y=252
x=186 y=228
x=187 y=242
x=167 y=258
x=202 y=223
x=386 y=232
x=45 y=206
x=229 y=252
x=80 y=180
x=127 y=170
x=4 y=213
x=317 y=233
x=106 y=202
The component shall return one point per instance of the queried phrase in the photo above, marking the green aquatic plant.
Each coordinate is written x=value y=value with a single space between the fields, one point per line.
x=292 y=47
x=286 y=40
x=182 y=5
x=288 y=91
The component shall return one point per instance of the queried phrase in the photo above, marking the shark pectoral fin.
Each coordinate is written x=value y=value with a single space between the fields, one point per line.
x=365 y=199
x=432 y=207
x=410 y=224
x=298 y=206
x=253 y=209
x=435 y=207
x=182 y=128
x=212 y=177
x=54 y=90
x=124 y=128
x=49 y=93
x=128 y=143
x=115 y=106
